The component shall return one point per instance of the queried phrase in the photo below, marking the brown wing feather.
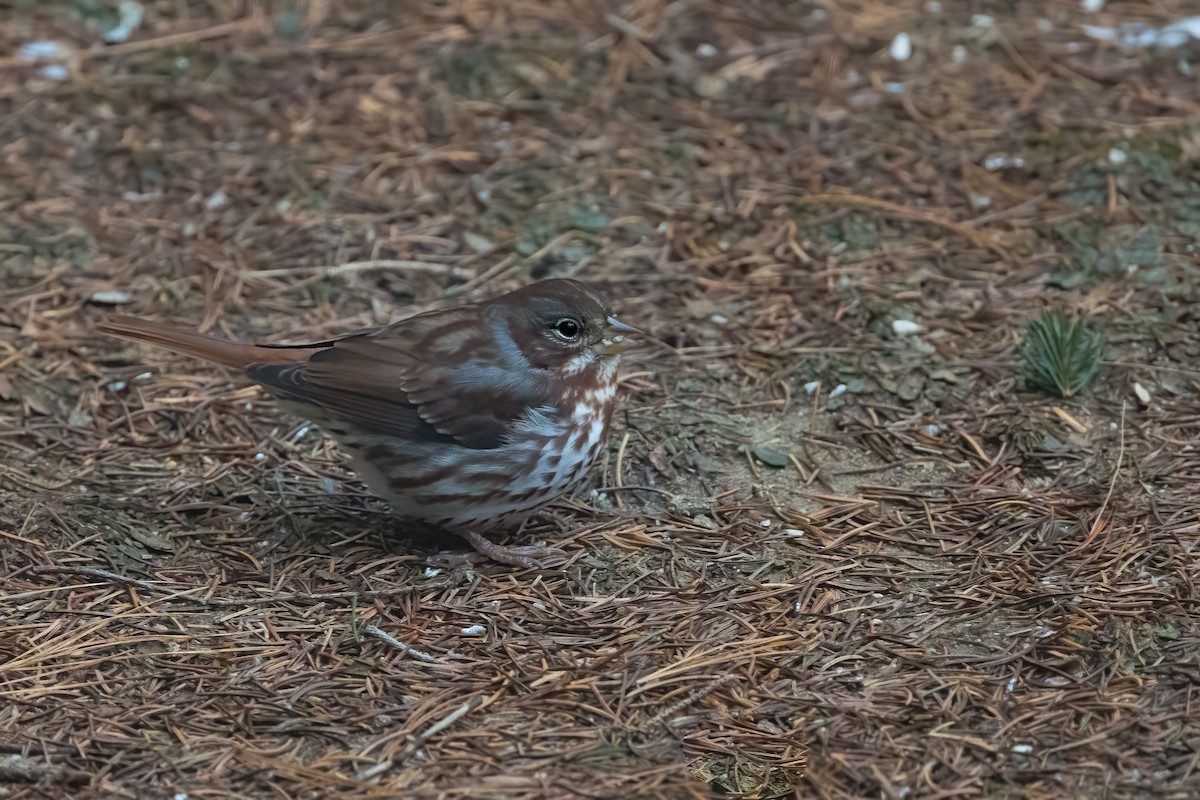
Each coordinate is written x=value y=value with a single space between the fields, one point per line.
x=419 y=378
x=367 y=409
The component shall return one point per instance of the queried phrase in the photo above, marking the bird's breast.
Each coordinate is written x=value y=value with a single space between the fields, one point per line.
x=548 y=450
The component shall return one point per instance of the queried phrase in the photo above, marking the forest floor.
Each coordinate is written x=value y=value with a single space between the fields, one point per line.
x=837 y=548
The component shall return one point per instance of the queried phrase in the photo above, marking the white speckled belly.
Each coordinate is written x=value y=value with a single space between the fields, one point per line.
x=548 y=453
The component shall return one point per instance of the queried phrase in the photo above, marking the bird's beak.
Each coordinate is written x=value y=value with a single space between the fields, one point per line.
x=616 y=340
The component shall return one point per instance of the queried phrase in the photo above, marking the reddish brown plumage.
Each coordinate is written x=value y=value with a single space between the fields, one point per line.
x=462 y=417
x=208 y=348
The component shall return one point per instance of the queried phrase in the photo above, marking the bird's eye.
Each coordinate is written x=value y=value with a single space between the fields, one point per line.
x=567 y=328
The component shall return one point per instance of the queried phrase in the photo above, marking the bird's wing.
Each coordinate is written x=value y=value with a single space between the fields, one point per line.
x=433 y=377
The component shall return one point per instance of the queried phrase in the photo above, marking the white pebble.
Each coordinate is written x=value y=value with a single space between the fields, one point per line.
x=1023 y=749
x=113 y=296
x=905 y=327
x=1000 y=161
x=130 y=18
x=260 y=456
x=705 y=50
x=432 y=572
x=1175 y=34
x=766 y=523
x=1142 y=394
x=933 y=430
x=217 y=199
x=1117 y=156
x=958 y=54
x=473 y=630
x=1092 y=6
x=35 y=51
x=811 y=387
x=982 y=21
x=901 y=49
x=719 y=319
x=1172 y=37
x=792 y=532
x=56 y=72
x=837 y=390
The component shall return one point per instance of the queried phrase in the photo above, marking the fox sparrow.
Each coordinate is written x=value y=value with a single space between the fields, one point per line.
x=464 y=418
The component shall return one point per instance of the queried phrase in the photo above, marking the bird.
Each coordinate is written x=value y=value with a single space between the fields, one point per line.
x=467 y=418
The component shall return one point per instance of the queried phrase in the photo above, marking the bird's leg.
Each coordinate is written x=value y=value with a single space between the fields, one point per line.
x=526 y=556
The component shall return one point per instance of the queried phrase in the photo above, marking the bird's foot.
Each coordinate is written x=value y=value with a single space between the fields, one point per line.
x=527 y=556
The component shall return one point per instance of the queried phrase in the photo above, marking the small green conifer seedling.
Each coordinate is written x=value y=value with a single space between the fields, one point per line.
x=1061 y=355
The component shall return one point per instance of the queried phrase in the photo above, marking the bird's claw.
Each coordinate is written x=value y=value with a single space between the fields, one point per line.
x=525 y=556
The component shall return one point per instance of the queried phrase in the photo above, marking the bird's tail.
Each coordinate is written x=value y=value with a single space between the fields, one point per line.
x=178 y=340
